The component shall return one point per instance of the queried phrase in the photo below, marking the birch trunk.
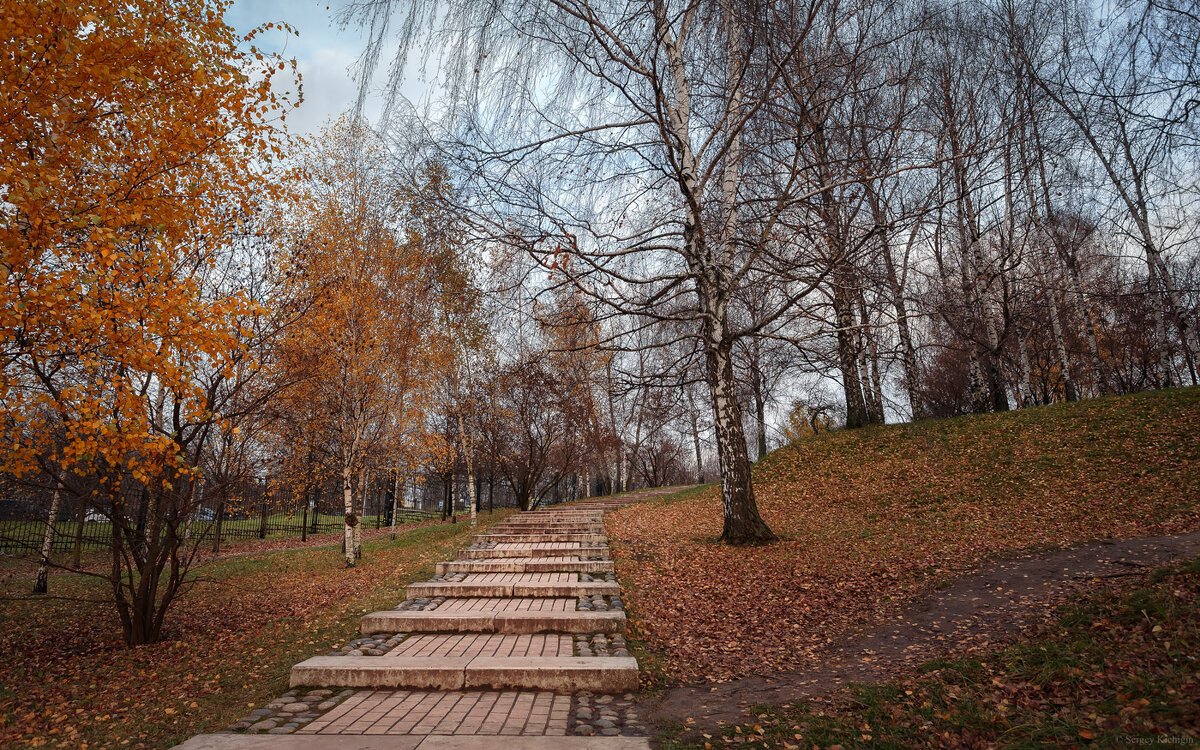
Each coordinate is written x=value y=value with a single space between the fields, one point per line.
x=760 y=418
x=868 y=366
x=856 y=407
x=1166 y=376
x=1089 y=325
x=980 y=395
x=41 y=583
x=743 y=525
x=1023 y=392
x=972 y=253
x=908 y=353
x=351 y=521
x=1060 y=347
x=395 y=501
x=362 y=512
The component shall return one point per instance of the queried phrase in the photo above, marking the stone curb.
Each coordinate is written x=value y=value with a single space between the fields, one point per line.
x=408 y=742
x=539 y=538
x=518 y=565
x=463 y=589
x=598 y=674
x=557 y=550
x=520 y=622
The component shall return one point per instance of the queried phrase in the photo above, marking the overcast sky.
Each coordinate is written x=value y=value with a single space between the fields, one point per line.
x=323 y=51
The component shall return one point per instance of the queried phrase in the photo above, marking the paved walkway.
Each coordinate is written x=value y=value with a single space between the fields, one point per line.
x=522 y=636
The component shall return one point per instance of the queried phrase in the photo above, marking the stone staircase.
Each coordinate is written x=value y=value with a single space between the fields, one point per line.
x=523 y=634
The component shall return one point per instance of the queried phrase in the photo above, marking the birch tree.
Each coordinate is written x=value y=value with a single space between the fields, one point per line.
x=620 y=138
x=364 y=355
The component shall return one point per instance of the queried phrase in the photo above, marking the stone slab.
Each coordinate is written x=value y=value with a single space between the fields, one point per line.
x=599 y=674
x=407 y=742
x=392 y=621
x=542 y=537
x=308 y=742
x=557 y=588
x=550 y=550
x=450 y=742
x=433 y=673
x=524 y=565
x=441 y=588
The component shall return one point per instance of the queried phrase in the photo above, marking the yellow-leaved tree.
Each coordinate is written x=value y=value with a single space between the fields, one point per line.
x=134 y=140
x=365 y=356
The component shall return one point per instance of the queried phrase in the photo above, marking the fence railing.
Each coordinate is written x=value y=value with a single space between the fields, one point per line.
x=83 y=523
x=242 y=510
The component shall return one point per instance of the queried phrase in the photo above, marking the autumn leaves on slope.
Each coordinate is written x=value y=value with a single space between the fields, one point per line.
x=871 y=519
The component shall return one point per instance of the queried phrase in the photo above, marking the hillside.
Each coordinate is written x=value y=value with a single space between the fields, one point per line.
x=871 y=519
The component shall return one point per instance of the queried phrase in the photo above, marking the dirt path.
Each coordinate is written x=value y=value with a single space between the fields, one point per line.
x=977 y=612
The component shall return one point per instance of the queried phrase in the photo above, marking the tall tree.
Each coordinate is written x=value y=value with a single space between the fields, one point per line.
x=133 y=137
x=366 y=354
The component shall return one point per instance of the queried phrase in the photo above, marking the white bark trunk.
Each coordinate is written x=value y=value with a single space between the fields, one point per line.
x=42 y=583
x=348 y=507
x=395 y=501
x=1023 y=393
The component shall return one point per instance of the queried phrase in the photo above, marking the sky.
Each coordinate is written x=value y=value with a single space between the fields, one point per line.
x=323 y=51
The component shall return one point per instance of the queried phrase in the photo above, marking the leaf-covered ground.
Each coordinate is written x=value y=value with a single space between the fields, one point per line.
x=871 y=519
x=1117 y=670
x=66 y=680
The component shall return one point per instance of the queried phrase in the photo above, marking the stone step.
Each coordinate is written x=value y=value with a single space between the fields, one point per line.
x=525 y=565
x=549 y=550
x=508 y=622
x=598 y=674
x=548 y=528
x=549 y=536
x=228 y=741
x=516 y=589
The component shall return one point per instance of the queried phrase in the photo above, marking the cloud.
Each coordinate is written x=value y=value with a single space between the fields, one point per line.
x=324 y=55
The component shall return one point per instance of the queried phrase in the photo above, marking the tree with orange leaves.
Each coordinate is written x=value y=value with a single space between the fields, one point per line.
x=134 y=140
x=366 y=352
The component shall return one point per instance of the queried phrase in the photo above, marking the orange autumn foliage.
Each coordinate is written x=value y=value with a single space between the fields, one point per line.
x=134 y=139
x=366 y=353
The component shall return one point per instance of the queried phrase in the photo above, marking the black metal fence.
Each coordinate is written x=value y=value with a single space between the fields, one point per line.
x=247 y=509
x=244 y=509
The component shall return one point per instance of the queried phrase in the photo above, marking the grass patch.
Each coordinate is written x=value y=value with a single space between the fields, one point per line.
x=1117 y=670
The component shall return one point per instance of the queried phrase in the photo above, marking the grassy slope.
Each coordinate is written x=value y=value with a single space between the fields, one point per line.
x=871 y=518
x=67 y=681
x=1117 y=670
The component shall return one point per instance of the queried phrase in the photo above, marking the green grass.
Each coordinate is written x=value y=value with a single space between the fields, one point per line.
x=1117 y=669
